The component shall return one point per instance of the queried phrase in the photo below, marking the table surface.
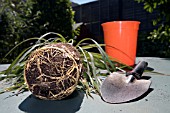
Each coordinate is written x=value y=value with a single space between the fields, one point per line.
x=155 y=101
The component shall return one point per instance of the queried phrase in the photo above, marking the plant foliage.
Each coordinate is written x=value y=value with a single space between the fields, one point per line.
x=93 y=63
x=160 y=35
x=22 y=19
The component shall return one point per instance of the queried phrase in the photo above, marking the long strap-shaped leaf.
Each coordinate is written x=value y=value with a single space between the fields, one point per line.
x=19 y=45
x=60 y=36
x=88 y=67
x=14 y=62
x=29 y=51
x=94 y=73
x=104 y=55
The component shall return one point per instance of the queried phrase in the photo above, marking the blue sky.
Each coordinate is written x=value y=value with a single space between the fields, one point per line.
x=82 y=1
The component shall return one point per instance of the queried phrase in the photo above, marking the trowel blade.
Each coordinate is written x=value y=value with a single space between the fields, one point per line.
x=115 y=89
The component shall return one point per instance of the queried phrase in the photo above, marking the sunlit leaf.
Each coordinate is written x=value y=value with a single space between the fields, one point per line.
x=92 y=63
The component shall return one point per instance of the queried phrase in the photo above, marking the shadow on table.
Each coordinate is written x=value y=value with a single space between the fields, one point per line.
x=69 y=105
x=142 y=96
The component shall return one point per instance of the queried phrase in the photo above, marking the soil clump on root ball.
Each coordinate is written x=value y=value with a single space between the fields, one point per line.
x=52 y=72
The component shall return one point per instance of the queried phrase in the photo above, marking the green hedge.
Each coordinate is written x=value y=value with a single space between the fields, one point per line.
x=23 y=19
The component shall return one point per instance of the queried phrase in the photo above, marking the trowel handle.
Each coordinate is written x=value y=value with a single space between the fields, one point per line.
x=138 y=69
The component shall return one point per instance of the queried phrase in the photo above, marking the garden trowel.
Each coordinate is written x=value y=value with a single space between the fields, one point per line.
x=123 y=87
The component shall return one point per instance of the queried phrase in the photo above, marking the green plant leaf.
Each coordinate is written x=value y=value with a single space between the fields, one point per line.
x=86 y=61
x=94 y=73
x=19 y=45
x=104 y=55
x=92 y=62
x=89 y=46
x=62 y=39
x=14 y=62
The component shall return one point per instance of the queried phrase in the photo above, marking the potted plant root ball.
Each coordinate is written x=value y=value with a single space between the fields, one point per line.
x=52 y=72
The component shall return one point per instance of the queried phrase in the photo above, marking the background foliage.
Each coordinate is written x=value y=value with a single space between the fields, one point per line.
x=22 y=19
x=158 y=41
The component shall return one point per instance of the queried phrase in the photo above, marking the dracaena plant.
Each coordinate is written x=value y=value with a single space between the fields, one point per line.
x=93 y=63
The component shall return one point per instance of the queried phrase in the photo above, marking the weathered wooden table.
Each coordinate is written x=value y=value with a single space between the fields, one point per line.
x=156 y=101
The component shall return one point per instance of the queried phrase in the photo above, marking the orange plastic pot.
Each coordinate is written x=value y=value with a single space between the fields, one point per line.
x=120 y=38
